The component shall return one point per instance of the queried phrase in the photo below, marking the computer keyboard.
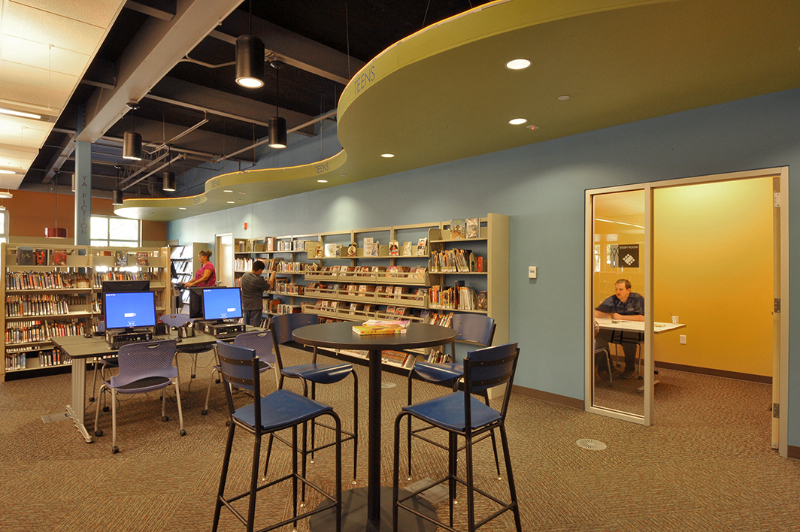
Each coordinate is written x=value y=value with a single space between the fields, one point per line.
x=116 y=344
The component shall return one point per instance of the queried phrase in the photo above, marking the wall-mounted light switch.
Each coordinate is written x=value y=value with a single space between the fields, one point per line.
x=683 y=339
x=531 y=272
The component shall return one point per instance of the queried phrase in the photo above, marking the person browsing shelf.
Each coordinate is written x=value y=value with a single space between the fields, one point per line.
x=205 y=275
x=253 y=286
x=623 y=305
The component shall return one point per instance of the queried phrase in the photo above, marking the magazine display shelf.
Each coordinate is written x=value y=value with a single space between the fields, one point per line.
x=28 y=336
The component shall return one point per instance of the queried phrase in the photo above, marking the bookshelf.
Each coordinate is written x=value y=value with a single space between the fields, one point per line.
x=284 y=255
x=58 y=295
x=182 y=258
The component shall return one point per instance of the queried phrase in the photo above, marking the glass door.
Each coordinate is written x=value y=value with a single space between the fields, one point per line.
x=618 y=367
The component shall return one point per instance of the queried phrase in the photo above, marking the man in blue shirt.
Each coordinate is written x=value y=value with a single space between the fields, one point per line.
x=623 y=305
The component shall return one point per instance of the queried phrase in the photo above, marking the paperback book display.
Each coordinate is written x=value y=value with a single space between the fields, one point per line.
x=371 y=327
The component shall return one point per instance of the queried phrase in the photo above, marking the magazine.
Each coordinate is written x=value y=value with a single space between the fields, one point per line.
x=456 y=229
x=473 y=227
x=406 y=249
x=422 y=247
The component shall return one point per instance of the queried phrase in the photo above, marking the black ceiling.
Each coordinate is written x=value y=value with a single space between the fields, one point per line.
x=360 y=29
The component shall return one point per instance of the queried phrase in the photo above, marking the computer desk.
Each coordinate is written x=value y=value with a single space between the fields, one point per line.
x=80 y=349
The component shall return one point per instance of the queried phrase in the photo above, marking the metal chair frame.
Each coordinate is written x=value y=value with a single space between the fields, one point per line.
x=484 y=368
x=240 y=367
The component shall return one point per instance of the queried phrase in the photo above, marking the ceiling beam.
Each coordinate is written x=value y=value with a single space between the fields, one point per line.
x=155 y=50
x=160 y=9
x=291 y=48
x=65 y=150
x=101 y=73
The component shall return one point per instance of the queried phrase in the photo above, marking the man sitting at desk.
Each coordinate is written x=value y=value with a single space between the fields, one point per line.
x=623 y=305
x=253 y=286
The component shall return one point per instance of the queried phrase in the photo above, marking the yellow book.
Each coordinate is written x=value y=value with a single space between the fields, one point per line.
x=363 y=330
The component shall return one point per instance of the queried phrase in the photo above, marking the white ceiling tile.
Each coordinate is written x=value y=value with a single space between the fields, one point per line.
x=10 y=182
x=95 y=12
x=35 y=54
x=41 y=26
x=37 y=78
x=10 y=150
x=32 y=96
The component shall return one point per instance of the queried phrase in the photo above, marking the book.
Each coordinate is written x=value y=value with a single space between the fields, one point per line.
x=40 y=257
x=456 y=229
x=473 y=227
x=333 y=251
x=393 y=249
x=142 y=257
x=406 y=249
x=269 y=243
x=373 y=327
x=121 y=258
x=25 y=256
x=352 y=249
x=318 y=252
x=59 y=257
x=368 y=243
x=376 y=249
x=421 y=247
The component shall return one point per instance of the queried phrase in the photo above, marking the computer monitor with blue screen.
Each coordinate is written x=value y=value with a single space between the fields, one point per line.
x=129 y=310
x=222 y=303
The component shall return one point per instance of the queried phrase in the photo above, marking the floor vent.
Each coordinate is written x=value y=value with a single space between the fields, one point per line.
x=592 y=445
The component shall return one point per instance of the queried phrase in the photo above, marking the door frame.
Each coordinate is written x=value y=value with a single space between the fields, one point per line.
x=781 y=380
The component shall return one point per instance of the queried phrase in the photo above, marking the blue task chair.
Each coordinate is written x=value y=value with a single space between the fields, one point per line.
x=261 y=343
x=470 y=328
x=282 y=327
x=143 y=367
x=461 y=414
x=176 y=321
x=279 y=410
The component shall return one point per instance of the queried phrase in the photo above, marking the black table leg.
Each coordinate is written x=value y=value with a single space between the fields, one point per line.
x=374 y=445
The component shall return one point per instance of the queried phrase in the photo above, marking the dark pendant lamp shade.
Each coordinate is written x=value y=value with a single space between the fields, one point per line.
x=132 y=146
x=277 y=132
x=169 y=182
x=55 y=232
x=116 y=197
x=249 y=62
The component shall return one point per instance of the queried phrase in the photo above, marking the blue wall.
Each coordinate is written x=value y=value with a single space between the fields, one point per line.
x=542 y=188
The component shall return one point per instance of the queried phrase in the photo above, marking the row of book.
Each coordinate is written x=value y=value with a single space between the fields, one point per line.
x=458 y=297
x=122 y=258
x=465 y=228
x=44 y=280
x=49 y=357
x=284 y=287
x=274 y=244
x=42 y=304
x=183 y=266
x=415 y=272
x=456 y=261
x=181 y=252
x=22 y=332
x=121 y=276
x=42 y=257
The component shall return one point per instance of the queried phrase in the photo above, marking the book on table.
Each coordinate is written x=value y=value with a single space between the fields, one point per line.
x=375 y=327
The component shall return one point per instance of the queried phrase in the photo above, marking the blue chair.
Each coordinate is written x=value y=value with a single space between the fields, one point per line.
x=143 y=367
x=474 y=329
x=176 y=321
x=461 y=414
x=261 y=343
x=282 y=327
x=279 y=410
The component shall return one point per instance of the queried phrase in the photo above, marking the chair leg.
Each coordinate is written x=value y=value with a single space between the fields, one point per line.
x=251 y=507
x=294 y=469
x=408 y=432
x=97 y=411
x=494 y=440
x=304 y=454
x=313 y=423
x=512 y=489
x=223 y=477
x=180 y=409
x=114 y=448
x=452 y=452
x=355 y=426
x=396 y=470
x=94 y=379
x=279 y=376
x=194 y=365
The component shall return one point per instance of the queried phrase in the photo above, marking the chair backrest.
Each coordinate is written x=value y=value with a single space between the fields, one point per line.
x=239 y=367
x=487 y=368
x=176 y=320
x=145 y=359
x=283 y=325
x=474 y=328
x=260 y=342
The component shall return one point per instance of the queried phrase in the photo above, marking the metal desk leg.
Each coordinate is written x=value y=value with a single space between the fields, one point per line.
x=77 y=409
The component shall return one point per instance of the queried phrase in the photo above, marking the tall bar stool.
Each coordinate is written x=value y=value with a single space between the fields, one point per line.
x=279 y=410
x=282 y=327
x=470 y=328
x=460 y=414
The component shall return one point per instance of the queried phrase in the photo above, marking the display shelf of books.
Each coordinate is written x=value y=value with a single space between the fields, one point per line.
x=280 y=256
x=53 y=291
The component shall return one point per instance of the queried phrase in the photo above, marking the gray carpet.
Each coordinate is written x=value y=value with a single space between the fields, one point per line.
x=705 y=465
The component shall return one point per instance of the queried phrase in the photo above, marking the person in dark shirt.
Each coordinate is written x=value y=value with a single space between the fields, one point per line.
x=623 y=305
x=253 y=286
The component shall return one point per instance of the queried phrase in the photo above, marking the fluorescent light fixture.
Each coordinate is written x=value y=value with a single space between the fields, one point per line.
x=517 y=121
x=387 y=155
x=6 y=195
x=227 y=190
x=181 y=208
x=12 y=112
x=620 y=223
x=518 y=64
x=7 y=172
x=318 y=181
x=231 y=202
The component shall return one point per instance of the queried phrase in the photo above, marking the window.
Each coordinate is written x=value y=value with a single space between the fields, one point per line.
x=3 y=225
x=107 y=231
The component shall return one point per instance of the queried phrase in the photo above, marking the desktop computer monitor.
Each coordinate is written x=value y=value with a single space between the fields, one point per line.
x=193 y=296
x=222 y=303
x=128 y=310
x=123 y=286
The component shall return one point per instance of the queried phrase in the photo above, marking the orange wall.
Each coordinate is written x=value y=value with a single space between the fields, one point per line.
x=713 y=268
x=30 y=212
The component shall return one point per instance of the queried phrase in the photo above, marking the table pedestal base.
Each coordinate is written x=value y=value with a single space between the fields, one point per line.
x=354 y=514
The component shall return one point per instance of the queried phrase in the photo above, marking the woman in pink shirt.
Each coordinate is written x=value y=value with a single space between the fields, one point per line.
x=206 y=275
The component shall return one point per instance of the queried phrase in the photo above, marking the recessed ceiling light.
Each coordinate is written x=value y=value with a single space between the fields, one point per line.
x=227 y=190
x=231 y=202
x=343 y=175
x=563 y=97
x=518 y=64
x=387 y=155
x=182 y=208
x=517 y=121
x=322 y=180
x=242 y=192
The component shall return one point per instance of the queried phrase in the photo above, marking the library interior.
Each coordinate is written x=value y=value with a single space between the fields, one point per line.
x=430 y=265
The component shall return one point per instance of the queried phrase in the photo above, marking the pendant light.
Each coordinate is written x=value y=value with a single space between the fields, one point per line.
x=55 y=231
x=277 y=124
x=132 y=141
x=116 y=194
x=169 y=176
x=250 y=58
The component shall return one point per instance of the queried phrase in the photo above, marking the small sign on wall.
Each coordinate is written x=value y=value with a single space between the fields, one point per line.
x=627 y=256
